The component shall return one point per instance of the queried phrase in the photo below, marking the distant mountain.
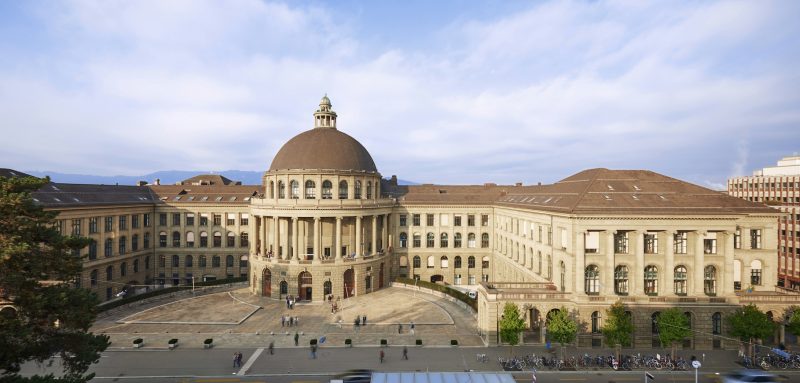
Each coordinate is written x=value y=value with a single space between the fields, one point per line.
x=167 y=177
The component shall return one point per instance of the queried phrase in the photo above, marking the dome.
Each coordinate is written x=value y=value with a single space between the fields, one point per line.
x=323 y=148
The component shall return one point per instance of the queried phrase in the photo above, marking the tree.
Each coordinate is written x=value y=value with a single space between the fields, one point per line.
x=561 y=327
x=37 y=267
x=749 y=323
x=618 y=327
x=673 y=327
x=511 y=324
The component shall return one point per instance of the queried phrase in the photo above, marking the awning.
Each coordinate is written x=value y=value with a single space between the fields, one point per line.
x=442 y=377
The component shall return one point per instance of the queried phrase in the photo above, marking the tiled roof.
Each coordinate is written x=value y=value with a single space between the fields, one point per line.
x=73 y=195
x=212 y=194
x=8 y=173
x=209 y=179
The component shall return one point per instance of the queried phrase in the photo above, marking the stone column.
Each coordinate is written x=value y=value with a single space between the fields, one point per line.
x=669 y=262
x=358 y=235
x=262 y=234
x=727 y=271
x=639 y=268
x=317 y=230
x=295 y=253
x=385 y=232
x=374 y=234
x=699 y=260
x=338 y=241
x=580 y=262
x=276 y=228
x=608 y=278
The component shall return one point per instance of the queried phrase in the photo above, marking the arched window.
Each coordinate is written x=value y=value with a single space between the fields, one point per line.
x=443 y=241
x=109 y=273
x=369 y=190
x=485 y=240
x=457 y=262
x=681 y=278
x=123 y=269
x=202 y=261
x=229 y=261
x=162 y=240
x=327 y=187
x=281 y=190
x=377 y=190
x=311 y=189
x=471 y=262
x=203 y=239
x=417 y=240
x=294 y=189
x=562 y=269
x=93 y=278
x=215 y=261
x=176 y=239
x=592 y=280
x=217 y=239
x=716 y=324
x=272 y=189
x=710 y=280
x=190 y=239
x=357 y=191
x=651 y=280
x=244 y=240
x=176 y=261
x=430 y=240
x=342 y=189
x=416 y=262
x=596 y=322
x=231 y=242
x=471 y=240
x=403 y=240
x=431 y=262
x=457 y=240
x=189 y=261
x=755 y=272
x=444 y=262
x=621 y=280
x=135 y=265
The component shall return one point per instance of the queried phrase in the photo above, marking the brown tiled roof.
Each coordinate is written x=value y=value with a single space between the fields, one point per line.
x=8 y=173
x=76 y=195
x=456 y=194
x=209 y=179
x=323 y=148
x=211 y=194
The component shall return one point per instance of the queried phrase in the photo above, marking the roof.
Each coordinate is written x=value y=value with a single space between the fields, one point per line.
x=323 y=149
x=209 y=179
x=8 y=173
x=206 y=194
x=74 y=195
x=442 y=377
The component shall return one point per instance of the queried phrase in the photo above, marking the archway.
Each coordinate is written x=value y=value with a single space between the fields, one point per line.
x=533 y=334
x=304 y=284
x=327 y=288
x=266 y=283
x=284 y=288
x=349 y=283
x=437 y=278
x=8 y=312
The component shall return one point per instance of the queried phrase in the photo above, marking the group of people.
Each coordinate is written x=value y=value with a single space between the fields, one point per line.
x=290 y=300
x=382 y=355
x=411 y=326
x=361 y=320
x=334 y=304
x=288 y=320
x=237 y=359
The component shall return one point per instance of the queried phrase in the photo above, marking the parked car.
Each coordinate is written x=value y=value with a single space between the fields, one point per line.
x=749 y=376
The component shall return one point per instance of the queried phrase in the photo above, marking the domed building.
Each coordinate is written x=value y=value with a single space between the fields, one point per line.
x=321 y=225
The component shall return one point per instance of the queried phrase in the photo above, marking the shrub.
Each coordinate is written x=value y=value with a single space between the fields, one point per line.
x=419 y=342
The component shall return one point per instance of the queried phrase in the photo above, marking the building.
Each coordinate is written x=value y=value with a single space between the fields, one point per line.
x=779 y=187
x=325 y=224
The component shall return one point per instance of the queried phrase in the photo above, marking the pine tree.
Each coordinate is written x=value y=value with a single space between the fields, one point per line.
x=38 y=267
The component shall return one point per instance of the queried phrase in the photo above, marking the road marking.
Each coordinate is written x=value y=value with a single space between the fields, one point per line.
x=572 y=379
x=250 y=361
x=223 y=380
x=626 y=379
x=305 y=381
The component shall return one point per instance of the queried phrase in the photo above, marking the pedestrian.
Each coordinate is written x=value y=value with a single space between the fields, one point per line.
x=291 y=321
x=313 y=351
x=239 y=359
x=400 y=328
x=405 y=352
x=533 y=376
x=287 y=301
x=272 y=348
x=381 y=355
x=412 y=328
x=235 y=359
x=283 y=320
x=364 y=320
x=297 y=321
x=296 y=338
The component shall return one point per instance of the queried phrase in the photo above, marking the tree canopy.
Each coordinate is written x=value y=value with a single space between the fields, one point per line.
x=673 y=327
x=793 y=325
x=618 y=326
x=561 y=327
x=511 y=324
x=749 y=323
x=38 y=267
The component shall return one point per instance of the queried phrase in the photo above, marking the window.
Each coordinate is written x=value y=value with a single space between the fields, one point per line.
x=484 y=220
x=243 y=239
x=311 y=189
x=755 y=239
x=471 y=262
x=654 y=322
x=539 y=238
x=457 y=240
x=215 y=261
x=357 y=190
x=76 y=227
x=621 y=280
x=485 y=240
x=231 y=242
x=470 y=220
x=443 y=240
x=716 y=324
x=444 y=219
x=123 y=222
x=681 y=278
x=596 y=322
x=621 y=242
x=650 y=243
x=272 y=189
x=592 y=242
x=710 y=280
x=539 y=270
x=190 y=239
x=203 y=239
x=217 y=219
x=109 y=273
x=651 y=280
x=176 y=219
x=92 y=250
x=710 y=243
x=457 y=262
x=415 y=219
x=342 y=189
x=162 y=219
x=176 y=261
x=456 y=220
x=737 y=239
x=592 y=280
x=109 y=226
x=431 y=262
x=203 y=219
x=403 y=240
x=430 y=239
x=135 y=265
x=231 y=221
x=217 y=239
x=369 y=190
x=146 y=241
x=123 y=245
x=281 y=190
x=147 y=262
x=755 y=272
x=146 y=219
x=327 y=188
x=229 y=261
x=549 y=267
x=176 y=239
x=135 y=221
x=428 y=219
x=485 y=263
x=162 y=261
x=403 y=220
x=471 y=240
x=416 y=262
x=202 y=261
x=109 y=247
x=417 y=240
x=681 y=240
x=294 y=189
x=93 y=278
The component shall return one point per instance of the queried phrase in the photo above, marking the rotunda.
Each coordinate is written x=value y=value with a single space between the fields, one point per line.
x=321 y=228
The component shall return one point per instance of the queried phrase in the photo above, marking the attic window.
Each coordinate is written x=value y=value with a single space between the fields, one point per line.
x=607 y=197
x=163 y=198
x=143 y=198
x=13 y=174
x=218 y=199
x=205 y=198
x=177 y=198
x=56 y=199
x=635 y=197
x=442 y=191
x=662 y=197
x=233 y=198
x=637 y=188
x=247 y=198
x=548 y=199
x=191 y=198
x=35 y=200
x=54 y=187
x=76 y=199
x=610 y=187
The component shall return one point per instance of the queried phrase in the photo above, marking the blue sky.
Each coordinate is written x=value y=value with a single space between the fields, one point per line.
x=440 y=92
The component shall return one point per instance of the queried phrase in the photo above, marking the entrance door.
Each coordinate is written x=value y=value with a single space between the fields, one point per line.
x=304 y=282
x=349 y=283
x=266 y=283
x=533 y=333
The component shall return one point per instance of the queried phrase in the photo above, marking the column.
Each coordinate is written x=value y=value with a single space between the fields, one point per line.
x=580 y=262
x=669 y=262
x=727 y=271
x=385 y=233
x=276 y=228
x=374 y=234
x=358 y=235
x=262 y=234
x=317 y=254
x=639 y=268
x=295 y=254
x=699 y=261
x=608 y=278
x=338 y=249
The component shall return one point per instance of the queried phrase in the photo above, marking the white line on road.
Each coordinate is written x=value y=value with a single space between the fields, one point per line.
x=250 y=361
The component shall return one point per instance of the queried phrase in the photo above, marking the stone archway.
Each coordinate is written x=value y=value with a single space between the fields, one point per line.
x=266 y=283
x=304 y=286
x=533 y=333
x=349 y=283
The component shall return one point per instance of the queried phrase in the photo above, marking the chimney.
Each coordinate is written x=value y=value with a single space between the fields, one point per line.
x=393 y=180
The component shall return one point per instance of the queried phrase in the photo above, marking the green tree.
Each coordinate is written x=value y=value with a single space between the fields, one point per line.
x=561 y=328
x=511 y=325
x=618 y=327
x=793 y=325
x=673 y=327
x=749 y=323
x=37 y=267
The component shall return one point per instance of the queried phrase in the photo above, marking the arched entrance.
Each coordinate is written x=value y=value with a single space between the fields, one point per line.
x=327 y=288
x=304 y=283
x=436 y=278
x=380 y=277
x=349 y=283
x=266 y=283
x=533 y=333
x=284 y=288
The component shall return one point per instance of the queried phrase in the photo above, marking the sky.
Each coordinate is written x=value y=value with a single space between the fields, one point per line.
x=448 y=92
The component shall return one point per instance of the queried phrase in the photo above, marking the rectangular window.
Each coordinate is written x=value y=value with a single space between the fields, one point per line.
x=470 y=220
x=93 y=251
x=564 y=238
x=402 y=220
x=680 y=241
x=162 y=219
x=456 y=220
x=93 y=225
x=755 y=239
x=217 y=219
x=231 y=242
x=417 y=240
x=592 y=242
x=176 y=219
x=123 y=222
x=135 y=242
x=76 y=227
x=549 y=235
x=109 y=248
x=122 y=246
x=189 y=219
x=621 y=242
x=737 y=239
x=146 y=219
x=415 y=219
x=444 y=219
x=710 y=243
x=484 y=219
x=429 y=220
x=231 y=221
x=755 y=277
x=203 y=219
x=135 y=221
x=539 y=239
x=650 y=243
x=244 y=220
x=109 y=224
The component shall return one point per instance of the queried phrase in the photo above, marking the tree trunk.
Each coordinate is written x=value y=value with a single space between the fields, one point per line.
x=618 y=350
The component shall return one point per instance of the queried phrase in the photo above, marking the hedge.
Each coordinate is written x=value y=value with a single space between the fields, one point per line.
x=441 y=288
x=154 y=293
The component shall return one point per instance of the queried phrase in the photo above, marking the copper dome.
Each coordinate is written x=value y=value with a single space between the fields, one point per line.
x=323 y=149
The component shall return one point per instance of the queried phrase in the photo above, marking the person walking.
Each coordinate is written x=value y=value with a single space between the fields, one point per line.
x=400 y=328
x=405 y=352
x=283 y=320
x=412 y=328
x=272 y=348
x=291 y=321
x=296 y=338
x=235 y=359
x=239 y=359
x=381 y=355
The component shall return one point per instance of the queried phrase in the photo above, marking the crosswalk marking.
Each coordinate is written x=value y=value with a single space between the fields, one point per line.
x=250 y=361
